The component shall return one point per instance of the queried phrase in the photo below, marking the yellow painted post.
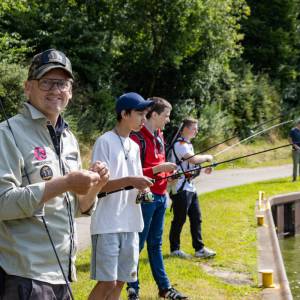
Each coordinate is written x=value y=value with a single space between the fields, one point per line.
x=267 y=278
x=260 y=219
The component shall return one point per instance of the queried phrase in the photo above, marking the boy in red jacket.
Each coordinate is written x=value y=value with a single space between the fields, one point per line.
x=152 y=147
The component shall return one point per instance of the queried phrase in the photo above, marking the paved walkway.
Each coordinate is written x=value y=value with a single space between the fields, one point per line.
x=206 y=183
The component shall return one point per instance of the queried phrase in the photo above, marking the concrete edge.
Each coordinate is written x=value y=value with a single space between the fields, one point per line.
x=269 y=254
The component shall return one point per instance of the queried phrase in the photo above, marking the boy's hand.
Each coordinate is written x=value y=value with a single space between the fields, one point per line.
x=102 y=169
x=208 y=170
x=140 y=182
x=164 y=167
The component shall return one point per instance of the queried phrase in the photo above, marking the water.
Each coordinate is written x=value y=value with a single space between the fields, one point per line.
x=290 y=249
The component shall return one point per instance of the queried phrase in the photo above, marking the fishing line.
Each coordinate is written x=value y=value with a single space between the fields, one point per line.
x=215 y=164
x=251 y=136
x=236 y=136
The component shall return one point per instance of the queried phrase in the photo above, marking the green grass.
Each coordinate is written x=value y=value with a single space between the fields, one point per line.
x=229 y=227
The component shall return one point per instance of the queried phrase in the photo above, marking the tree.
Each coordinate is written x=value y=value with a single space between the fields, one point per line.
x=180 y=50
x=271 y=42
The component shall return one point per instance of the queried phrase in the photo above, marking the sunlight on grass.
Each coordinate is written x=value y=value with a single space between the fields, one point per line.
x=229 y=227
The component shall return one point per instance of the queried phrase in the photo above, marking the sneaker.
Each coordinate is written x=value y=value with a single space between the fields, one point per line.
x=180 y=254
x=132 y=294
x=205 y=253
x=171 y=293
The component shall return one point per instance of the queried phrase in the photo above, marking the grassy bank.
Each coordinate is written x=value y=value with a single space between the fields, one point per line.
x=229 y=227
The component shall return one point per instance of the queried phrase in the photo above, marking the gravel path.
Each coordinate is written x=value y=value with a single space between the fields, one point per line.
x=206 y=183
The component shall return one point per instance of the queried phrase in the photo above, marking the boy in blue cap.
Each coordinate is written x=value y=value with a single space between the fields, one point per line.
x=118 y=217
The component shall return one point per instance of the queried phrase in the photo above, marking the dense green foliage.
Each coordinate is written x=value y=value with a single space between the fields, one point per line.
x=186 y=51
x=272 y=44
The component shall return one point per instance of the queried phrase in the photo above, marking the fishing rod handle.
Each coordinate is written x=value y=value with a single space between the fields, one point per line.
x=104 y=194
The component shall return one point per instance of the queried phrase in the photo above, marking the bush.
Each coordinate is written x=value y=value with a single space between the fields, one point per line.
x=12 y=77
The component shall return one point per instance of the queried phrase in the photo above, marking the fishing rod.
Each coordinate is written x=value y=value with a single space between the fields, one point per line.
x=252 y=136
x=248 y=138
x=104 y=194
x=174 y=138
x=236 y=136
x=40 y=213
x=213 y=165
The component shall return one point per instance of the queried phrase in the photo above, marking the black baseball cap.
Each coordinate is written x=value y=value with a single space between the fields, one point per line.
x=47 y=61
x=132 y=101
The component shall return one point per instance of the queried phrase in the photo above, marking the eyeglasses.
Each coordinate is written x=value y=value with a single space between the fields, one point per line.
x=46 y=85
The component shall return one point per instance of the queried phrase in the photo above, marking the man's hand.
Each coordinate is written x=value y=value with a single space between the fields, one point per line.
x=80 y=182
x=140 y=182
x=164 y=167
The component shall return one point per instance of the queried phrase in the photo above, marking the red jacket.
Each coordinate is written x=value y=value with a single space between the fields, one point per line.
x=154 y=155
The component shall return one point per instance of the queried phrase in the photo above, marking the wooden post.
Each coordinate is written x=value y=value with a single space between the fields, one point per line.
x=280 y=220
x=297 y=217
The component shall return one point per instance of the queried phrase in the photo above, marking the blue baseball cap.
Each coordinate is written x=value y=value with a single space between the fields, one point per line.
x=132 y=101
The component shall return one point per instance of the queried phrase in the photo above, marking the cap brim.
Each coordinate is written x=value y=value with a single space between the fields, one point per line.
x=45 y=69
x=145 y=105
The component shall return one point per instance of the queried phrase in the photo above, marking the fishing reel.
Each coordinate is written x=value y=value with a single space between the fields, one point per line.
x=144 y=197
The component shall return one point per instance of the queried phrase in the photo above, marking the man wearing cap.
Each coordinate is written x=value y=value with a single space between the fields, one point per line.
x=294 y=139
x=42 y=187
x=118 y=218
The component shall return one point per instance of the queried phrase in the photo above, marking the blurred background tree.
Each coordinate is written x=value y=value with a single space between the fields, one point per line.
x=230 y=63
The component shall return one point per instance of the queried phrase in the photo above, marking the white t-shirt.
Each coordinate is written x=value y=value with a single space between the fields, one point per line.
x=182 y=148
x=118 y=212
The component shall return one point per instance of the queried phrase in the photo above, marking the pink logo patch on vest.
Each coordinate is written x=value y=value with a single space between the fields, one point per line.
x=40 y=153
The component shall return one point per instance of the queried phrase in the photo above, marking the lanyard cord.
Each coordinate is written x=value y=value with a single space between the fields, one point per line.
x=125 y=151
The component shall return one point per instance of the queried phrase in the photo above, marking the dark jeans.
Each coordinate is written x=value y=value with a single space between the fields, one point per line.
x=20 y=288
x=154 y=215
x=185 y=203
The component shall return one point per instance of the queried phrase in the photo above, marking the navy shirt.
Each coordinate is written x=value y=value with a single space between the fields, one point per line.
x=295 y=136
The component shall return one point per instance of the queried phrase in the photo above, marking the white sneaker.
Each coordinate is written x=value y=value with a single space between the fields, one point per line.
x=180 y=254
x=205 y=253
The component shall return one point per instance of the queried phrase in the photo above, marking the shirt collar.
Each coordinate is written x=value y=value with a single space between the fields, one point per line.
x=149 y=133
x=30 y=111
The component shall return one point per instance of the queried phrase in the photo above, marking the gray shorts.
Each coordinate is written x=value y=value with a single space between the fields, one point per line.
x=115 y=256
